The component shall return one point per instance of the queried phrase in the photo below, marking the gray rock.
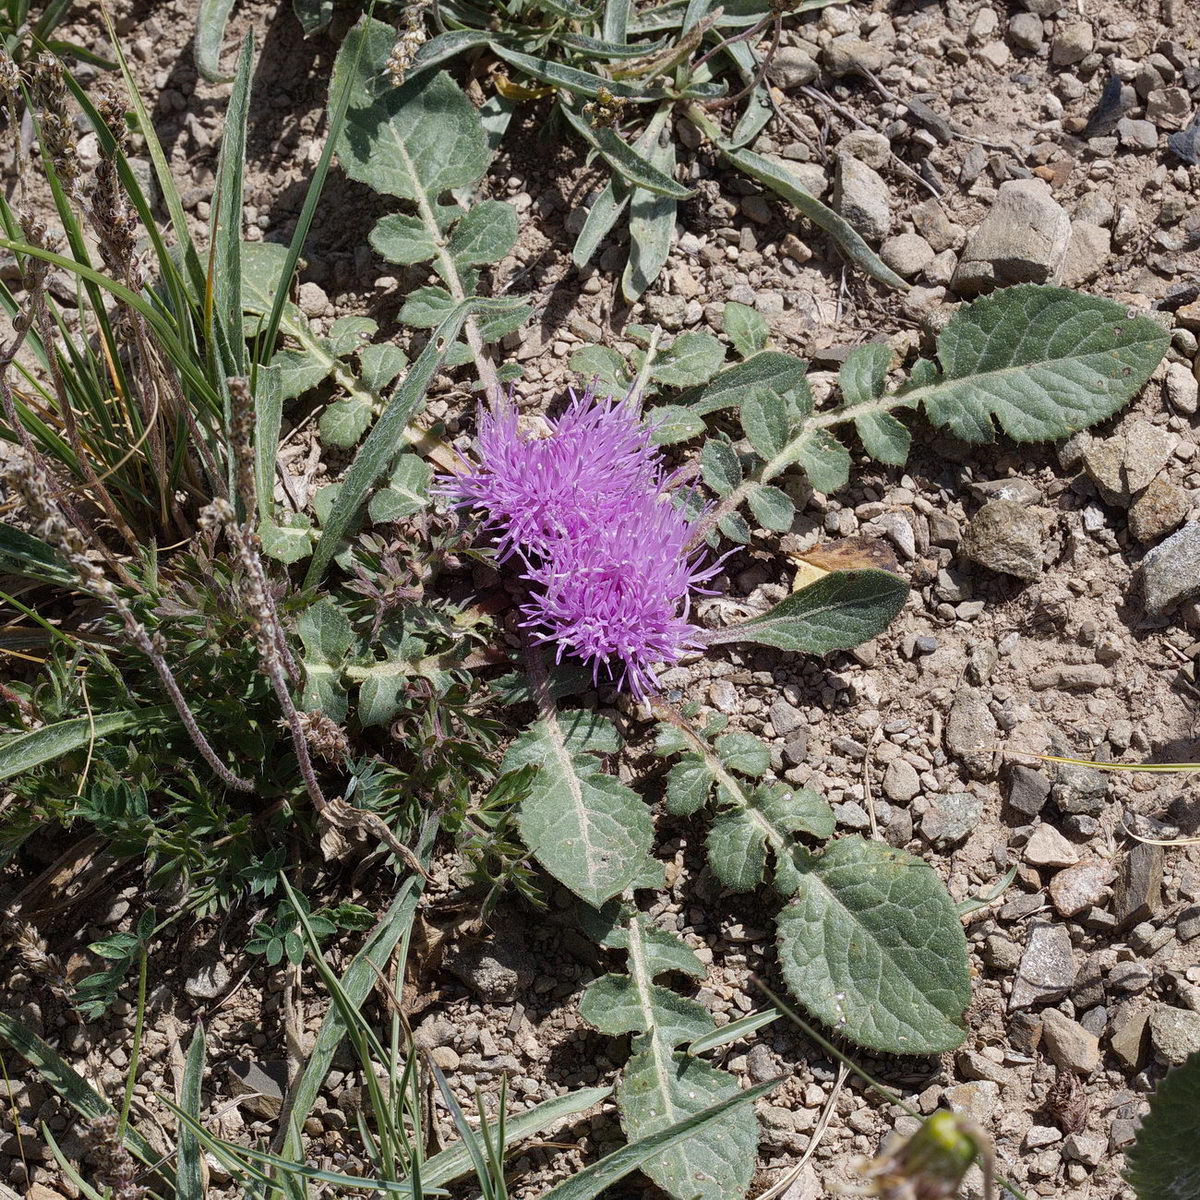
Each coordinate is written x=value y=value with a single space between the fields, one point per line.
x=847 y=55
x=1079 y=887
x=1025 y=32
x=669 y=311
x=862 y=197
x=1175 y=1032
x=1125 y=463
x=1028 y=789
x=908 y=254
x=1048 y=848
x=1138 y=893
x=941 y=268
x=936 y=228
x=1137 y=135
x=950 y=818
x=785 y=718
x=867 y=146
x=259 y=1086
x=1168 y=108
x=1069 y=1044
x=1079 y=790
x=1043 y=8
x=977 y=1100
x=900 y=781
x=1087 y=254
x=1187 y=924
x=1171 y=571
x=1019 y=491
x=971 y=731
x=1007 y=537
x=1182 y=388
x=1127 y=1033
x=436 y=1030
x=1087 y=1148
x=1048 y=968
x=493 y=981
x=1158 y=510
x=1072 y=43
x=792 y=67
x=207 y=982
x=1023 y=239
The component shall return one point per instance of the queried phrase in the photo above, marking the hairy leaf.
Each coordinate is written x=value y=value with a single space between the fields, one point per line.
x=872 y=945
x=745 y=328
x=770 y=369
x=1164 y=1160
x=651 y=224
x=590 y=831
x=485 y=235
x=1044 y=362
x=325 y=632
x=691 y=359
x=31 y=748
x=719 y=466
x=838 y=612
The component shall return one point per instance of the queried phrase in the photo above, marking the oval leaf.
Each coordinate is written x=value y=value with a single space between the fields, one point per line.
x=872 y=946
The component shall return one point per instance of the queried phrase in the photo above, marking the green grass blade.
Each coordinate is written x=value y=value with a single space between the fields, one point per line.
x=225 y=225
x=472 y=1144
x=268 y=416
x=732 y=1032
x=357 y=981
x=189 y=1178
x=69 y=1086
x=382 y=443
x=24 y=751
x=591 y=1181
x=210 y=32
x=455 y=1161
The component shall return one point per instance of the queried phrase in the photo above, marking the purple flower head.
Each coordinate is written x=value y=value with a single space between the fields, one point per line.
x=535 y=489
x=588 y=510
x=617 y=594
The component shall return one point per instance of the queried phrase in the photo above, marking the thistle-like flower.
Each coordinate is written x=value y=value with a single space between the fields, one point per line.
x=589 y=511
x=535 y=490
x=618 y=592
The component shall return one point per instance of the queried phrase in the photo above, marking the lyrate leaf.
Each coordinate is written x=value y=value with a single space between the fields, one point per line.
x=840 y=611
x=719 y=466
x=766 y=420
x=773 y=509
x=745 y=328
x=485 y=235
x=416 y=141
x=691 y=359
x=864 y=373
x=324 y=631
x=403 y=239
x=590 y=831
x=884 y=438
x=823 y=458
x=872 y=945
x=1164 y=1160
x=771 y=369
x=1043 y=362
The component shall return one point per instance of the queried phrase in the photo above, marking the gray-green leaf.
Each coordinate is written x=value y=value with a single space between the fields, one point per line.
x=873 y=947
x=402 y=239
x=838 y=612
x=1164 y=1160
x=745 y=328
x=864 y=373
x=324 y=629
x=769 y=369
x=1044 y=362
x=591 y=832
x=824 y=459
x=691 y=359
x=766 y=420
x=671 y=423
x=657 y=1090
x=485 y=235
x=406 y=492
x=773 y=509
x=719 y=466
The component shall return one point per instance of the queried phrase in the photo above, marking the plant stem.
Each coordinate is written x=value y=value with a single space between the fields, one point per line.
x=135 y=1049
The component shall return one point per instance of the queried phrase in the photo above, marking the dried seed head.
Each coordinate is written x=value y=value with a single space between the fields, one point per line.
x=10 y=89
x=114 y=1166
x=327 y=739
x=241 y=440
x=113 y=217
x=410 y=37
x=56 y=128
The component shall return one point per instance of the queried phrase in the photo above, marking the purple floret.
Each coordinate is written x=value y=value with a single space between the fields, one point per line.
x=589 y=511
x=535 y=489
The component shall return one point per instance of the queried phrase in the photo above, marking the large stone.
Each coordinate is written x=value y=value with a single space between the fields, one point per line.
x=1070 y=1045
x=1079 y=887
x=1072 y=43
x=1171 y=571
x=1157 y=511
x=1023 y=239
x=1007 y=537
x=1128 y=461
x=1127 y=1033
x=1027 y=789
x=1087 y=255
x=1182 y=388
x=1047 y=969
x=862 y=197
x=792 y=67
x=908 y=254
x=971 y=731
x=847 y=55
x=950 y=818
x=1048 y=848
x=1175 y=1032
x=1138 y=892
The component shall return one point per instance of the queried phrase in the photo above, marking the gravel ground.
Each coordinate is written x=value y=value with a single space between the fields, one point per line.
x=1051 y=607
